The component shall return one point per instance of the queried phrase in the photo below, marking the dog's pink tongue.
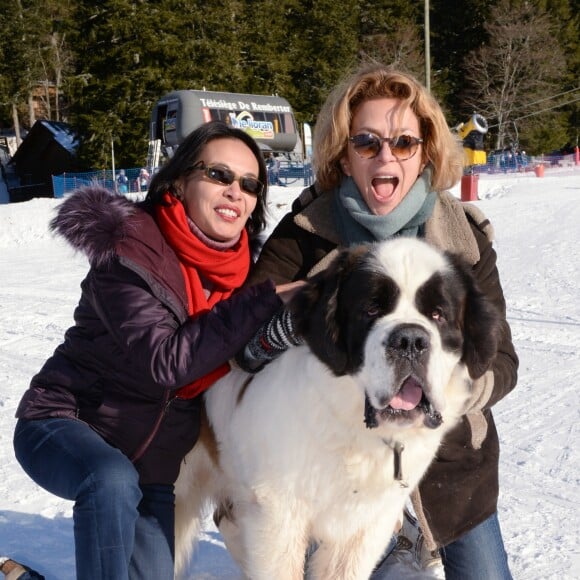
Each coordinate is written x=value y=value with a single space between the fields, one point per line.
x=408 y=397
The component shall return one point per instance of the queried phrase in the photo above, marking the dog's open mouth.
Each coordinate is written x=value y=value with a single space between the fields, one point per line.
x=407 y=404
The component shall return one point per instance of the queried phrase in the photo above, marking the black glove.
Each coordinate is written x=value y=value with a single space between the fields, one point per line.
x=271 y=340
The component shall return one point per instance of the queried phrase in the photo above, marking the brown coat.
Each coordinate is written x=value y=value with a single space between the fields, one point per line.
x=460 y=489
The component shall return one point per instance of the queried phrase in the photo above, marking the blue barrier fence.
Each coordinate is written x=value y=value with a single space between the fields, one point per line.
x=522 y=163
x=291 y=173
x=67 y=182
x=62 y=184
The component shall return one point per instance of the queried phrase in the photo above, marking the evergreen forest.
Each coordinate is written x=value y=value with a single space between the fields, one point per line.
x=101 y=65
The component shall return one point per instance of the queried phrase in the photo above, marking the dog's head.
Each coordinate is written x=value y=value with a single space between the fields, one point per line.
x=400 y=317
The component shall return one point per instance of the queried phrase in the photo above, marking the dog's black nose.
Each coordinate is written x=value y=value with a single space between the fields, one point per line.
x=409 y=340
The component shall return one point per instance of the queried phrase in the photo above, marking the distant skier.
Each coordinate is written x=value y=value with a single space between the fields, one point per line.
x=142 y=180
x=122 y=182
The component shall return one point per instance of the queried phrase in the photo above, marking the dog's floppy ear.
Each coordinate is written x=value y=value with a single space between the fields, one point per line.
x=481 y=324
x=314 y=310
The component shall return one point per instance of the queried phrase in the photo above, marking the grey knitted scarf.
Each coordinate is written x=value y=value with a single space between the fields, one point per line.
x=356 y=224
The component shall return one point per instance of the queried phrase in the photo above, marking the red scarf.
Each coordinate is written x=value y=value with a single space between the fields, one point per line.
x=226 y=270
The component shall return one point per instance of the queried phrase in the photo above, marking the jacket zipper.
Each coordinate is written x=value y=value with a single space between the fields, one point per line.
x=167 y=400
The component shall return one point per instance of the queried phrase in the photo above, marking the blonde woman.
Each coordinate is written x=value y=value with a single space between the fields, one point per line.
x=384 y=159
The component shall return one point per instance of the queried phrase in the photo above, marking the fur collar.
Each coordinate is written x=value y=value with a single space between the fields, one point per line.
x=94 y=220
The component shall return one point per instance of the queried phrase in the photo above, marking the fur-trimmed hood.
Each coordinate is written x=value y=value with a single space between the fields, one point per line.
x=94 y=220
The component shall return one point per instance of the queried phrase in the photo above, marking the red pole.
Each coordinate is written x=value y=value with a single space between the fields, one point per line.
x=577 y=155
x=469 y=187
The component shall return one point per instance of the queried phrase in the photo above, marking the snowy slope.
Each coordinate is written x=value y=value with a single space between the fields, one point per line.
x=538 y=243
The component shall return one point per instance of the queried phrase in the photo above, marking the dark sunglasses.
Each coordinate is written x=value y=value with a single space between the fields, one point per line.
x=368 y=145
x=225 y=176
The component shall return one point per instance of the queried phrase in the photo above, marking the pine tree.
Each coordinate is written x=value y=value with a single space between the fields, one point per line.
x=125 y=55
x=457 y=28
x=20 y=67
x=389 y=33
x=324 y=46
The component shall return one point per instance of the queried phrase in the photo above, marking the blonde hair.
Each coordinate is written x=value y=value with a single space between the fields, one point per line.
x=372 y=81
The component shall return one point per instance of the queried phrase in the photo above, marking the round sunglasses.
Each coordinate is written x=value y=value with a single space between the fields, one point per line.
x=367 y=145
x=225 y=176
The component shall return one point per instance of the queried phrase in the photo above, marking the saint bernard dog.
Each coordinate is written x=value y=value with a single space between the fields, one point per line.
x=318 y=452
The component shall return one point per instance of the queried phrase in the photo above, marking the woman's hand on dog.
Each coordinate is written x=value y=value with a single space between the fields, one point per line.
x=287 y=291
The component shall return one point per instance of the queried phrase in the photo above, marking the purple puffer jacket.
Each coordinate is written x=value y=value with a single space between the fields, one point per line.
x=133 y=343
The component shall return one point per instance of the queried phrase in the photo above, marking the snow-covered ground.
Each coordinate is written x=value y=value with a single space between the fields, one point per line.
x=538 y=242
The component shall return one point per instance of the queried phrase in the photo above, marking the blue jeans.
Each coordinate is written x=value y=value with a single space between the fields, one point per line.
x=477 y=555
x=30 y=574
x=379 y=570
x=122 y=530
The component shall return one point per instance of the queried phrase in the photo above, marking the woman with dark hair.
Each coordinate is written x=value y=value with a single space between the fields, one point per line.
x=183 y=162
x=108 y=419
